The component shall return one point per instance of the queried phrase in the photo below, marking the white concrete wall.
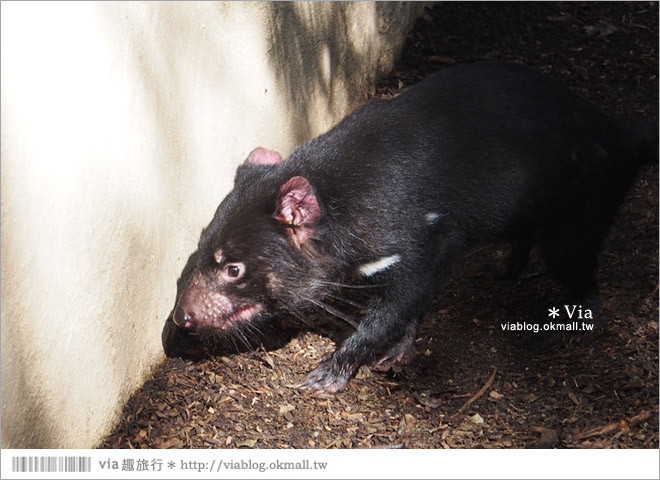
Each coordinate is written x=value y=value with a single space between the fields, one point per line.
x=122 y=125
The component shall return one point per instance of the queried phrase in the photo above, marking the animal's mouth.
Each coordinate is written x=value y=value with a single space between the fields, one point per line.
x=245 y=314
x=239 y=316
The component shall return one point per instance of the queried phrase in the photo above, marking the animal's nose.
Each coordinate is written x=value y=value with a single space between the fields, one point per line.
x=184 y=319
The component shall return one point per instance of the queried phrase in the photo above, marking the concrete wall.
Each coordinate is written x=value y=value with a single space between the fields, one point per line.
x=122 y=125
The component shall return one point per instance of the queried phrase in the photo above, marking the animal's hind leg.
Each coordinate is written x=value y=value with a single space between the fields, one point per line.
x=518 y=258
x=570 y=251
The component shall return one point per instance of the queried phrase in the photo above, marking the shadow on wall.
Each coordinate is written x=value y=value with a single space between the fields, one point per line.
x=36 y=429
x=327 y=52
x=312 y=59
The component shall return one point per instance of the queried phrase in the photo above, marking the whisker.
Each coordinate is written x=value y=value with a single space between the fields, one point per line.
x=230 y=341
x=347 y=301
x=242 y=336
x=345 y=285
x=257 y=332
x=300 y=317
x=254 y=332
x=348 y=319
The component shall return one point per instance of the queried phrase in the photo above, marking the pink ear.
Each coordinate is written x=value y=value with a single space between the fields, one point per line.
x=297 y=206
x=261 y=156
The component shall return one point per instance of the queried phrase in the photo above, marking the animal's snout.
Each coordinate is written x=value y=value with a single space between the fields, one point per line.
x=183 y=318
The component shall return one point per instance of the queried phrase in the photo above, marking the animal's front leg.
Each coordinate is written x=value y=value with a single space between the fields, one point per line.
x=387 y=321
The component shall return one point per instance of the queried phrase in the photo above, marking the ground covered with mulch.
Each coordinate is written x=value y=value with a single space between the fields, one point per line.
x=472 y=384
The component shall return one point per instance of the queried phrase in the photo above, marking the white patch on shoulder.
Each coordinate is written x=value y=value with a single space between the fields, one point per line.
x=371 y=268
x=431 y=217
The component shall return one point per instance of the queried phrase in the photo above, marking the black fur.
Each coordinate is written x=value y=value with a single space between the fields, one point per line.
x=493 y=150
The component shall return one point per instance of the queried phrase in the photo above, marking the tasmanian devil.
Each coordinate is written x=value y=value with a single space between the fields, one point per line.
x=397 y=191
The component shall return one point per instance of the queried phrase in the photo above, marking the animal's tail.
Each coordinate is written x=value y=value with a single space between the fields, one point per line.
x=642 y=138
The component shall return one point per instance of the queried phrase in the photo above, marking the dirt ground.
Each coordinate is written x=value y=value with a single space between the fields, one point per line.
x=473 y=384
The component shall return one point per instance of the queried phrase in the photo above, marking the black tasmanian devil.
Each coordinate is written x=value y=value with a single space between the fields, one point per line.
x=398 y=190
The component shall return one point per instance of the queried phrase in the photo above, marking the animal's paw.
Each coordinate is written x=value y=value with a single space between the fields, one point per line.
x=325 y=379
x=402 y=353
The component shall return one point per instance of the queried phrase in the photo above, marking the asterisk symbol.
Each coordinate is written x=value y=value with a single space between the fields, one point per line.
x=171 y=464
x=554 y=312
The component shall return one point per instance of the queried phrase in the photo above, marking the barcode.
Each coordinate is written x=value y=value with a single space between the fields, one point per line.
x=51 y=464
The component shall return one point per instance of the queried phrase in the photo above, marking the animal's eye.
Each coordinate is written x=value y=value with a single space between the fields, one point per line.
x=233 y=271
